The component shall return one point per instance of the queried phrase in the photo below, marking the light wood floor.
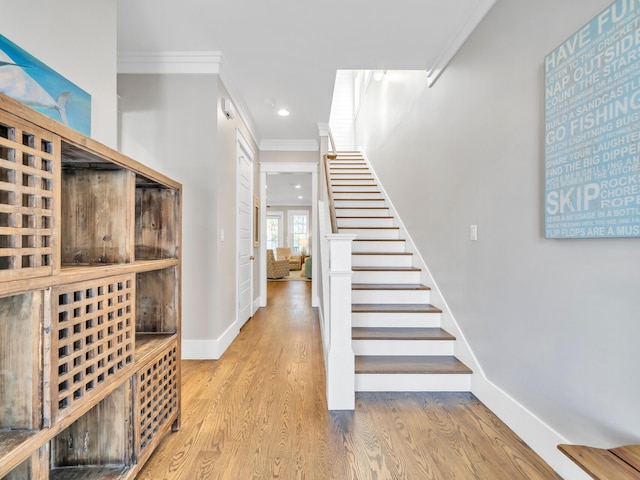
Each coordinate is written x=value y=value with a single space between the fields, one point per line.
x=260 y=413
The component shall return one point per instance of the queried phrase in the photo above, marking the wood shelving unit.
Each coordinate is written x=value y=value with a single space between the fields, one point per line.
x=90 y=275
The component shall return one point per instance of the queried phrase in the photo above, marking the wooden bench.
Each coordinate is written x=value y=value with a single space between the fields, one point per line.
x=622 y=463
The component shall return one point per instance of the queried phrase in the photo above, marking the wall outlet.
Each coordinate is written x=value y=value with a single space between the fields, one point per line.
x=473 y=232
x=222 y=234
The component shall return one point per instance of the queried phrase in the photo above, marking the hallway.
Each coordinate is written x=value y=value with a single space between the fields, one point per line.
x=260 y=413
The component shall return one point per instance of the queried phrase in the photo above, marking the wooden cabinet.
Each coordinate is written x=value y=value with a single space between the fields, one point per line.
x=89 y=304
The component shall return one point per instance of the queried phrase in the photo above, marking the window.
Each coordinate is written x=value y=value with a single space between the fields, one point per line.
x=274 y=230
x=298 y=228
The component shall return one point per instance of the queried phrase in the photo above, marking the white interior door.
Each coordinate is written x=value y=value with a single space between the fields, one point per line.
x=245 y=233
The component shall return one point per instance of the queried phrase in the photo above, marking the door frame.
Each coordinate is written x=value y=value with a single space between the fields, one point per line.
x=244 y=148
x=288 y=167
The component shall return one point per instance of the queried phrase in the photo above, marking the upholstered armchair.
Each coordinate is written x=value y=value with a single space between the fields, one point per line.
x=276 y=268
x=295 y=261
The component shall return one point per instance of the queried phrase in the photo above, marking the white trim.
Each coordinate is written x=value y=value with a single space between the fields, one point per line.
x=450 y=48
x=290 y=214
x=323 y=129
x=288 y=167
x=285 y=167
x=209 y=349
x=537 y=434
x=226 y=77
x=243 y=148
x=289 y=145
x=187 y=63
x=169 y=62
x=279 y=214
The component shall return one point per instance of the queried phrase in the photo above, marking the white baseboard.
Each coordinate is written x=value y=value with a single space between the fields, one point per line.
x=537 y=434
x=211 y=349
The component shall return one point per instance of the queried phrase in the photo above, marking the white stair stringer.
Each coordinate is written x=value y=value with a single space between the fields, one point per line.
x=397 y=337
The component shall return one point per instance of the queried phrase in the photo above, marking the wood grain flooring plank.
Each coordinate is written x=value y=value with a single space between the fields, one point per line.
x=259 y=412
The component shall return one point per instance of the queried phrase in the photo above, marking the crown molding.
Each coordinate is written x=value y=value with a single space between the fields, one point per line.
x=290 y=145
x=323 y=129
x=450 y=48
x=189 y=63
x=169 y=62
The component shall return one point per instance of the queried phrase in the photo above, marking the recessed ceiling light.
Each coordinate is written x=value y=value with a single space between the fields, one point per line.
x=298 y=186
x=283 y=112
x=299 y=197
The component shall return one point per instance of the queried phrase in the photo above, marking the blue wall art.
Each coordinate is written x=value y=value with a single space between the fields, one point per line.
x=592 y=128
x=28 y=80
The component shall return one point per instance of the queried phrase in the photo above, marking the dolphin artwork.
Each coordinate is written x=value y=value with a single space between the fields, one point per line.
x=18 y=84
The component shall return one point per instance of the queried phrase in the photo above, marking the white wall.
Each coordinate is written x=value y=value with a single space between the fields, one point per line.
x=267 y=156
x=77 y=39
x=167 y=123
x=173 y=123
x=554 y=323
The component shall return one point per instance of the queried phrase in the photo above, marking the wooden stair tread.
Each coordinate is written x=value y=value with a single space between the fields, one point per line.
x=367 y=228
x=353 y=185
x=383 y=253
x=385 y=269
x=379 y=240
x=389 y=286
x=397 y=333
x=394 y=308
x=358 y=199
x=410 y=364
x=354 y=216
x=600 y=463
x=628 y=453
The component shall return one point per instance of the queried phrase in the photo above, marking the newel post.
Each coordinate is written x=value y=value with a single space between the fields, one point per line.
x=341 y=359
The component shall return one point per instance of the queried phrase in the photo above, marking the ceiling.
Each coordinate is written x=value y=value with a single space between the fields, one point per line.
x=282 y=191
x=288 y=51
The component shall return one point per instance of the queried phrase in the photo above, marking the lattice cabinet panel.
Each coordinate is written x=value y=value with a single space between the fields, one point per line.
x=156 y=398
x=90 y=321
x=29 y=178
x=93 y=338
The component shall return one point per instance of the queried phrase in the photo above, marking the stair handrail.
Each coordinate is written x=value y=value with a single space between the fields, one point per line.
x=334 y=294
x=327 y=176
x=333 y=153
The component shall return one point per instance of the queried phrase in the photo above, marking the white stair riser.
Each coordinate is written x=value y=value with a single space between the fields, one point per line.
x=373 y=233
x=354 y=181
x=362 y=212
x=354 y=188
x=394 y=276
x=378 y=246
x=413 y=382
x=357 y=196
x=348 y=171
x=391 y=297
x=395 y=319
x=361 y=174
x=359 y=203
x=381 y=222
x=402 y=347
x=381 y=260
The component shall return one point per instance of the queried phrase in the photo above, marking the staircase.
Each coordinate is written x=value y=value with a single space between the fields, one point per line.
x=396 y=335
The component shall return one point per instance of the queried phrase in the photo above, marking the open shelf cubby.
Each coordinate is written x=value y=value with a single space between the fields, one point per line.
x=35 y=467
x=97 y=214
x=156 y=218
x=98 y=444
x=89 y=304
